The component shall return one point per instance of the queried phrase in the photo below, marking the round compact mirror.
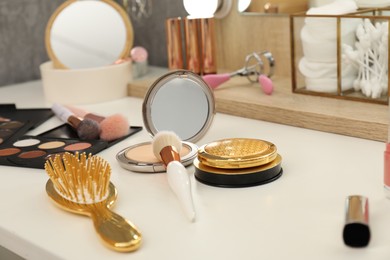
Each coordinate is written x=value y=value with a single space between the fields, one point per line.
x=181 y=102
x=88 y=34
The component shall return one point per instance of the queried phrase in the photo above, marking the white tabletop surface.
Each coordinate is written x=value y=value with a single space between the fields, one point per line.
x=299 y=216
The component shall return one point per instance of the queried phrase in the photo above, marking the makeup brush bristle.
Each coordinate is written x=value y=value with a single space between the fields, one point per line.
x=114 y=127
x=79 y=178
x=163 y=139
x=88 y=130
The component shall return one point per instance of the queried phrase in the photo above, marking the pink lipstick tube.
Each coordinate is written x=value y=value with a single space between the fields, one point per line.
x=174 y=43
x=386 y=179
x=387 y=170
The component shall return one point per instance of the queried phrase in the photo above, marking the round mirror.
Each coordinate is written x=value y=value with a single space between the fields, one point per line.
x=88 y=34
x=181 y=102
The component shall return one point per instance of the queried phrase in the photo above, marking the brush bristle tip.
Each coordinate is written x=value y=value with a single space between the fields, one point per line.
x=88 y=130
x=163 y=139
x=114 y=127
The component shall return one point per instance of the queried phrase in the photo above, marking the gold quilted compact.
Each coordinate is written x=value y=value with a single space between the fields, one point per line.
x=238 y=162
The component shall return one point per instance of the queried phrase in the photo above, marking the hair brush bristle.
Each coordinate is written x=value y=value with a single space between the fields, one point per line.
x=79 y=178
x=163 y=139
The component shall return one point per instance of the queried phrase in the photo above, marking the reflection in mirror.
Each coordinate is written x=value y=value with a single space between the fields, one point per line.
x=190 y=104
x=180 y=103
x=88 y=34
x=272 y=6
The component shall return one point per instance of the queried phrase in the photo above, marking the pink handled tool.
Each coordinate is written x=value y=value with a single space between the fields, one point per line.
x=253 y=72
x=214 y=80
x=266 y=84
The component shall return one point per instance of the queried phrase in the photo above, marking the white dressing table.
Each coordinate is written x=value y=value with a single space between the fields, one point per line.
x=299 y=216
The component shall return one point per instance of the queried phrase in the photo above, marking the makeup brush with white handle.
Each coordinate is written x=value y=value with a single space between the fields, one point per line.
x=166 y=147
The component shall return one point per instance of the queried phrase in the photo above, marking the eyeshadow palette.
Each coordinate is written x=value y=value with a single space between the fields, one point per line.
x=18 y=149
x=33 y=151
x=16 y=122
x=35 y=116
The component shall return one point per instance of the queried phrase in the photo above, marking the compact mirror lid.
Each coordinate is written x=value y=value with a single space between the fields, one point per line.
x=179 y=101
x=88 y=34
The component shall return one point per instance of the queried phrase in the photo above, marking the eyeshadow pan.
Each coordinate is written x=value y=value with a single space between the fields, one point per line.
x=31 y=154
x=11 y=125
x=77 y=146
x=51 y=145
x=5 y=133
x=1 y=140
x=26 y=142
x=9 y=151
x=3 y=119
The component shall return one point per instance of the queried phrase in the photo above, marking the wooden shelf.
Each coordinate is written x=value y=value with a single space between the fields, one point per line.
x=241 y=98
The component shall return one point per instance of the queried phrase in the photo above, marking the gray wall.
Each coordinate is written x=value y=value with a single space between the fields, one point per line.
x=22 y=31
x=22 y=49
x=150 y=32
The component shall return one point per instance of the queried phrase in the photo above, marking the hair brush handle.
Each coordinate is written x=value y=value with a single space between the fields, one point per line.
x=179 y=182
x=115 y=231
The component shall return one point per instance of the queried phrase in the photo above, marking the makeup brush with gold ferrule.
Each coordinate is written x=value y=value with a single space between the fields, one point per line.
x=166 y=147
x=86 y=129
x=112 y=127
x=81 y=184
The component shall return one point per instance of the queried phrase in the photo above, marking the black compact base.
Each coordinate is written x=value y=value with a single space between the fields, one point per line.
x=238 y=178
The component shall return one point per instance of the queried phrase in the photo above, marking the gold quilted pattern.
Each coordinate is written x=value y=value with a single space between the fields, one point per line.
x=237 y=153
x=237 y=148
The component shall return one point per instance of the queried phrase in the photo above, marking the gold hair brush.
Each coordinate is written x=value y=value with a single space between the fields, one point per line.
x=81 y=184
